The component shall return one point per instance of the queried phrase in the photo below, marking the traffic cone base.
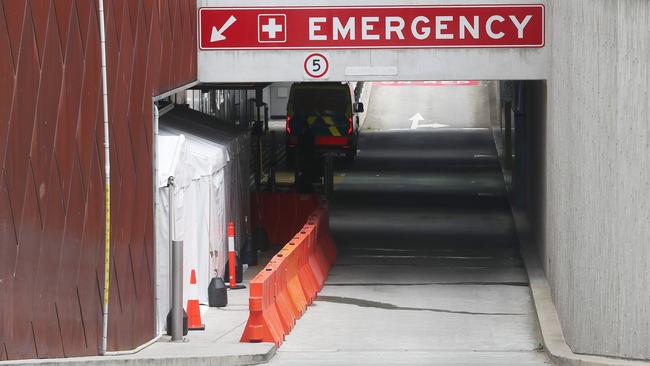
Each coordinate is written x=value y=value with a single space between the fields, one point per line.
x=193 y=308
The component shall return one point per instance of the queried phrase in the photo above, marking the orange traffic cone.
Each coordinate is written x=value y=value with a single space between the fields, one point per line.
x=193 y=309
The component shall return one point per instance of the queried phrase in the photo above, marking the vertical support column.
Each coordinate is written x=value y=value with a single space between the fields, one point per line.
x=507 y=133
x=213 y=102
x=520 y=174
x=177 y=291
x=273 y=161
x=266 y=117
x=257 y=156
x=328 y=175
x=172 y=228
x=258 y=128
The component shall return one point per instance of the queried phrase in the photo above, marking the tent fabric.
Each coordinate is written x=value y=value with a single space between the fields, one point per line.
x=209 y=161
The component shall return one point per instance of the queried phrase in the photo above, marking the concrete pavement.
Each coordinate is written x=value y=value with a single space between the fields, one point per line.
x=460 y=106
x=429 y=270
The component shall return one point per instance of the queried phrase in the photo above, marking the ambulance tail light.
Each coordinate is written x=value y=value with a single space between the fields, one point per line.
x=350 y=126
x=288 y=125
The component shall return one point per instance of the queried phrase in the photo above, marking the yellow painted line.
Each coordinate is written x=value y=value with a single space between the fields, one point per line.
x=287 y=178
x=284 y=177
x=107 y=247
x=338 y=178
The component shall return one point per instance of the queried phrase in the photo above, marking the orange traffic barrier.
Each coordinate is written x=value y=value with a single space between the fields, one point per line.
x=193 y=309
x=281 y=214
x=264 y=324
x=281 y=292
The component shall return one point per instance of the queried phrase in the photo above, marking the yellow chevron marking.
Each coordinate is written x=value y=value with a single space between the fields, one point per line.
x=330 y=122
x=334 y=131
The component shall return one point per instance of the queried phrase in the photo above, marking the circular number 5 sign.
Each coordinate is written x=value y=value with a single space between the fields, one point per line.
x=316 y=66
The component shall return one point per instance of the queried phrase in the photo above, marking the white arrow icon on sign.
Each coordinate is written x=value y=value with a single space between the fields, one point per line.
x=217 y=34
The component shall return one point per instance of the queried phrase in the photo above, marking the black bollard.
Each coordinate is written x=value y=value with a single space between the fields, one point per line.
x=217 y=293
x=260 y=239
x=169 y=323
x=249 y=253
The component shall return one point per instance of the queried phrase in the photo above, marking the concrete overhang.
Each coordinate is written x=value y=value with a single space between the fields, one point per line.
x=404 y=64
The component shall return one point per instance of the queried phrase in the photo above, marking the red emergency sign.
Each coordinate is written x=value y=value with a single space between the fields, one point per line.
x=315 y=27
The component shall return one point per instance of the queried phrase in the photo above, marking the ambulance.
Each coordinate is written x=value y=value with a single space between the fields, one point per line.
x=328 y=111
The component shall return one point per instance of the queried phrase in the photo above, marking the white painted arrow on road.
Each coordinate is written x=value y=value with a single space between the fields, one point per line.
x=217 y=34
x=415 y=120
x=434 y=125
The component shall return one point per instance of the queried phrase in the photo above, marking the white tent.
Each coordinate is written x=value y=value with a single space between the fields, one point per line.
x=209 y=163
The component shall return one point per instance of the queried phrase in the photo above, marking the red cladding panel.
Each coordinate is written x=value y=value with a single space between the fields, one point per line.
x=51 y=167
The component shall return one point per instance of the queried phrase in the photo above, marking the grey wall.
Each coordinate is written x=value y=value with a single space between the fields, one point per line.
x=596 y=206
x=279 y=99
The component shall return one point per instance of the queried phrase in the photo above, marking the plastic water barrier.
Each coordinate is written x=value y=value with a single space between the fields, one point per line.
x=281 y=214
x=290 y=282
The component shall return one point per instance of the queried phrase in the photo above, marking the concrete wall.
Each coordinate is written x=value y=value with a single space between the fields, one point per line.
x=596 y=240
x=279 y=99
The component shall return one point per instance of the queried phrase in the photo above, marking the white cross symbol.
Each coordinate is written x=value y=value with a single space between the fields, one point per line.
x=272 y=28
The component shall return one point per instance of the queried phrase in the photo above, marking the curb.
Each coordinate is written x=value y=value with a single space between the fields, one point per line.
x=554 y=343
x=139 y=360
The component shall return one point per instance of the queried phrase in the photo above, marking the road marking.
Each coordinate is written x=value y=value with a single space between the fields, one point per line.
x=415 y=120
x=487 y=194
x=434 y=125
x=287 y=178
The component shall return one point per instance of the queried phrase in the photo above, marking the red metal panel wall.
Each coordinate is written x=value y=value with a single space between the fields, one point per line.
x=51 y=182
